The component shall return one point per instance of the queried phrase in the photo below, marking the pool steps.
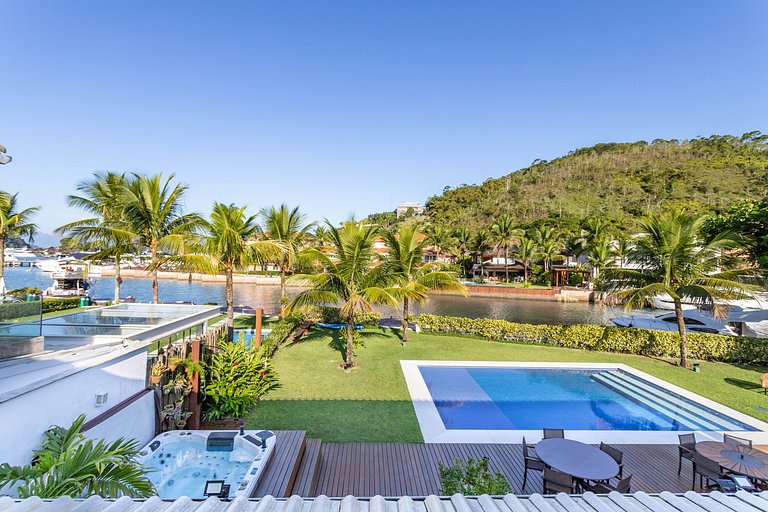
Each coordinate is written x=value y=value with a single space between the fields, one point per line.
x=687 y=414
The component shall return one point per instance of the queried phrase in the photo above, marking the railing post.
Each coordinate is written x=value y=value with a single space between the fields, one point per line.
x=257 y=331
x=194 y=406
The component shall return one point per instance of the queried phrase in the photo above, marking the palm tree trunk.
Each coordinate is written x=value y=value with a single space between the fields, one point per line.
x=405 y=319
x=282 y=292
x=506 y=263
x=230 y=297
x=681 y=330
x=350 y=341
x=525 y=270
x=2 y=264
x=153 y=250
x=118 y=279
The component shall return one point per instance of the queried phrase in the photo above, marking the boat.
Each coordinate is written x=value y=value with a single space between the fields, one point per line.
x=69 y=282
x=695 y=321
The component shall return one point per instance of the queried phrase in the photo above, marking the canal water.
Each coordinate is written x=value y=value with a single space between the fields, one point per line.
x=268 y=297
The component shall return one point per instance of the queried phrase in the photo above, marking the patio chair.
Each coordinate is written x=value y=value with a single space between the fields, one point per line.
x=554 y=433
x=686 y=449
x=622 y=486
x=531 y=461
x=764 y=382
x=736 y=440
x=708 y=471
x=556 y=481
x=616 y=455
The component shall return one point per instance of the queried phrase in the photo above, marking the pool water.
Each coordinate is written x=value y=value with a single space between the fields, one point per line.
x=181 y=468
x=248 y=334
x=486 y=398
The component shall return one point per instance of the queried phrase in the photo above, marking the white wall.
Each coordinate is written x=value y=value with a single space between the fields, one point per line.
x=137 y=421
x=24 y=419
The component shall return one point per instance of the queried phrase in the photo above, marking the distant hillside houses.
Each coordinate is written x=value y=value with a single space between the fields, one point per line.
x=409 y=209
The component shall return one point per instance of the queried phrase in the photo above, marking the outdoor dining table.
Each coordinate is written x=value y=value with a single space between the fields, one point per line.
x=577 y=459
x=737 y=458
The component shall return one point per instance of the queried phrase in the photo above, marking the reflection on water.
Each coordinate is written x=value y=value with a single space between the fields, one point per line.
x=268 y=297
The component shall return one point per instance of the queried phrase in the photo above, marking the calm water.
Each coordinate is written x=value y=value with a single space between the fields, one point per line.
x=268 y=296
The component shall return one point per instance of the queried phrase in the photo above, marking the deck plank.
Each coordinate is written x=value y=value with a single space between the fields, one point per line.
x=280 y=473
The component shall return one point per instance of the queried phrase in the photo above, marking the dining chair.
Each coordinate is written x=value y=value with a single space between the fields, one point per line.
x=729 y=439
x=616 y=455
x=531 y=461
x=708 y=471
x=623 y=486
x=686 y=449
x=554 y=433
x=556 y=481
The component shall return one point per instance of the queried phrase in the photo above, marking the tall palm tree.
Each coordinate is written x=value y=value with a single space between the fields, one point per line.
x=154 y=211
x=504 y=235
x=676 y=259
x=478 y=245
x=549 y=242
x=104 y=197
x=601 y=254
x=440 y=239
x=415 y=278
x=13 y=222
x=68 y=464
x=288 y=227
x=463 y=239
x=592 y=229
x=526 y=251
x=227 y=242
x=350 y=279
x=622 y=249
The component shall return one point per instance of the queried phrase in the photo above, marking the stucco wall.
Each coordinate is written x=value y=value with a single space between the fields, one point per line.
x=137 y=421
x=23 y=419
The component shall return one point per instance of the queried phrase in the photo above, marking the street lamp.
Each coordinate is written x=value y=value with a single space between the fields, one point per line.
x=4 y=159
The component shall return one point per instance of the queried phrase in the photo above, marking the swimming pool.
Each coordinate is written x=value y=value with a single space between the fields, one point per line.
x=179 y=463
x=248 y=334
x=499 y=402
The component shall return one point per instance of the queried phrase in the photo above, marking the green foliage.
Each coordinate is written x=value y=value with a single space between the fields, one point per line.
x=617 y=182
x=68 y=464
x=11 y=311
x=539 y=275
x=278 y=335
x=331 y=315
x=237 y=378
x=708 y=347
x=749 y=219
x=471 y=478
x=50 y=305
x=23 y=292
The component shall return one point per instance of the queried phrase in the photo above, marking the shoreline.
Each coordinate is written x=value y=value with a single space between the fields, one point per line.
x=489 y=291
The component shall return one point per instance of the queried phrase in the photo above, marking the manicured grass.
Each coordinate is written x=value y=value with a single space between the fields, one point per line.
x=371 y=403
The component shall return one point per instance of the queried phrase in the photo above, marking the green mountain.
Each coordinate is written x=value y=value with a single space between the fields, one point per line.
x=616 y=181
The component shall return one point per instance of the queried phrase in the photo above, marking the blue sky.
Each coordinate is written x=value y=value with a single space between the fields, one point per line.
x=350 y=107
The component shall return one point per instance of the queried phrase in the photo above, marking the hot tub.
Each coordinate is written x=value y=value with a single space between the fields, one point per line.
x=181 y=462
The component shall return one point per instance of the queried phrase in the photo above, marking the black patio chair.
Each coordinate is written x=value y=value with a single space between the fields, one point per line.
x=729 y=439
x=686 y=449
x=708 y=471
x=622 y=486
x=531 y=462
x=556 y=481
x=616 y=455
x=554 y=433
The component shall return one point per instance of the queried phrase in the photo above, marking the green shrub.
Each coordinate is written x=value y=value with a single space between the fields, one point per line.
x=236 y=379
x=22 y=293
x=709 y=347
x=50 y=305
x=471 y=478
x=14 y=311
x=278 y=335
x=330 y=315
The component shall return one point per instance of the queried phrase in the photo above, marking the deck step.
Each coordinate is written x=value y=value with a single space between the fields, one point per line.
x=306 y=479
x=653 y=401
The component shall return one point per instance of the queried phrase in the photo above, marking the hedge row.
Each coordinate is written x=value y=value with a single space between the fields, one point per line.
x=709 y=347
x=331 y=315
x=278 y=335
x=50 y=305
x=14 y=311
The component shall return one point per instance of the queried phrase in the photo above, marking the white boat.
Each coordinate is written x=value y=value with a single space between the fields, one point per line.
x=695 y=321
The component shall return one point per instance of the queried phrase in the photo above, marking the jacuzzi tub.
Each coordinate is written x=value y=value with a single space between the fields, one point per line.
x=180 y=462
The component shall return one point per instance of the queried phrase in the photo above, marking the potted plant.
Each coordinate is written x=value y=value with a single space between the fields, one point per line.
x=173 y=362
x=156 y=372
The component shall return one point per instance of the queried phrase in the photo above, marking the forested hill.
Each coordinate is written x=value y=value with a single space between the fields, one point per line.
x=616 y=181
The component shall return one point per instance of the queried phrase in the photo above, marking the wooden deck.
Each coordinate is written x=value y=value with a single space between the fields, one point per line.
x=280 y=473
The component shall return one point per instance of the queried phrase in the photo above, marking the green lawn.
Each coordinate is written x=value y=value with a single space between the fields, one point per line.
x=371 y=403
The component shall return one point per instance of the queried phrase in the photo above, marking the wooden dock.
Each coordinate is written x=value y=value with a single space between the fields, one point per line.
x=309 y=467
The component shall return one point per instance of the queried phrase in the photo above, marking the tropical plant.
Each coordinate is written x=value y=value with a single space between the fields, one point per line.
x=13 y=223
x=526 y=251
x=237 y=377
x=413 y=277
x=289 y=228
x=104 y=197
x=462 y=238
x=68 y=464
x=622 y=249
x=549 y=250
x=440 y=239
x=224 y=243
x=601 y=253
x=350 y=279
x=478 y=245
x=504 y=235
x=154 y=211
x=471 y=478
x=748 y=218
x=676 y=259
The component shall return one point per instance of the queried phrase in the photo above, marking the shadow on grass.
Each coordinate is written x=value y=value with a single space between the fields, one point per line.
x=743 y=384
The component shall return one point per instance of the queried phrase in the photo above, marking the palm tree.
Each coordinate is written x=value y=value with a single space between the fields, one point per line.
x=227 y=242
x=550 y=244
x=68 y=464
x=288 y=227
x=526 y=251
x=504 y=235
x=350 y=278
x=103 y=196
x=13 y=223
x=622 y=249
x=440 y=239
x=463 y=239
x=154 y=211
x=676 y=259
x=478 y=245
x=415 y=278
x=593 y=229
x=601 y=254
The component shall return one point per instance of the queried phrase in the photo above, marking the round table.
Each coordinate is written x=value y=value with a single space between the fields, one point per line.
x=577 y=459
x=737 y=458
